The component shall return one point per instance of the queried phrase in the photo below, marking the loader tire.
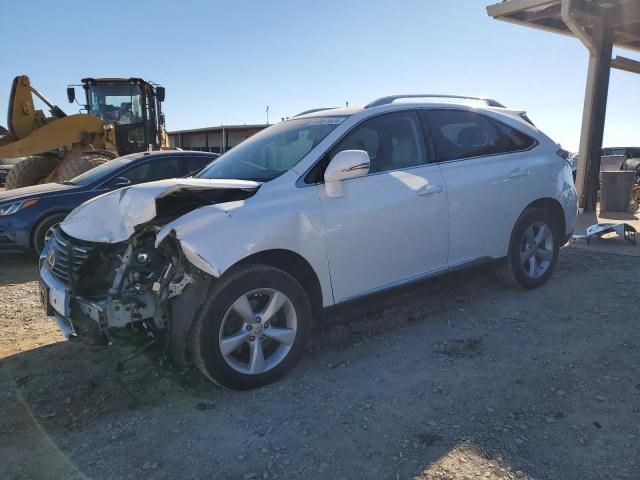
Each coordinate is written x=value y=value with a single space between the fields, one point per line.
x=81 y=164
x=30 y=171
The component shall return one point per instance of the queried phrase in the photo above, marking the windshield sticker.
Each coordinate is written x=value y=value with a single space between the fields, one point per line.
x=327 y=121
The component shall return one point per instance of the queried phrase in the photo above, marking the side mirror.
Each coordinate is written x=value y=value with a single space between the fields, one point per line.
x=118 y=182
x=71 y=94
x=343 y=166
x=160 y=94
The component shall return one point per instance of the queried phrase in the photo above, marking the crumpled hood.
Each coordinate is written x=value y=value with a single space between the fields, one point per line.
x=112 y=217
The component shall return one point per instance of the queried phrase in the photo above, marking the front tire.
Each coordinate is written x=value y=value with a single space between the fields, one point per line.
x=253 y=327
x=533 y=251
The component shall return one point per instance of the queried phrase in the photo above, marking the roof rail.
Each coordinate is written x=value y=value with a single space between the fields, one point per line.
x=313 y=110
x=391 y=98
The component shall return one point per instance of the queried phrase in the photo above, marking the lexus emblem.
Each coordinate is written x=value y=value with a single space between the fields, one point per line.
x=51 y=259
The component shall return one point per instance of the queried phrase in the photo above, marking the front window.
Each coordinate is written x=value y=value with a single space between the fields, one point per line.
x=393 y=141
x=116 y=102
x=273 y=151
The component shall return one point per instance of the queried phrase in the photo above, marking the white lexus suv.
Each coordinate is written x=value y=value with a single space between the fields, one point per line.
x=229 y=268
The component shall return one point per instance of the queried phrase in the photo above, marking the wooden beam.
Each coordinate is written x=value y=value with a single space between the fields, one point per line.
x=626 y=64
x=553 y=10
x=632 y=31
x=627 y=14
x=513 y=6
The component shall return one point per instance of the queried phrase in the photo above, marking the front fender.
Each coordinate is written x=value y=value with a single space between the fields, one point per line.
x=216 y=237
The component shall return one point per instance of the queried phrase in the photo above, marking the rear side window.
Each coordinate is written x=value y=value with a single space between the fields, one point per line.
x=459 y=134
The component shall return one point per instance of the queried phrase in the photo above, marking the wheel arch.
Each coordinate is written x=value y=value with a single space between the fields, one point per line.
x=554 y=208
x=295 y=265
x=44 y=217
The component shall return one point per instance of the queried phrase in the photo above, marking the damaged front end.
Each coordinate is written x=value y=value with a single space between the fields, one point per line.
x=109 y=289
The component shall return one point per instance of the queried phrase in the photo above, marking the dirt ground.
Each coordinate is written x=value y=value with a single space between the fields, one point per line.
x=455 y=378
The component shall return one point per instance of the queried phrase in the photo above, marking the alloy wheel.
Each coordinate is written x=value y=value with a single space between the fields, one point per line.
x=537 y=249
x=258 y=331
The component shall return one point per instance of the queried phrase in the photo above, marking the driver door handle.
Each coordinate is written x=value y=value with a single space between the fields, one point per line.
x=428 y=190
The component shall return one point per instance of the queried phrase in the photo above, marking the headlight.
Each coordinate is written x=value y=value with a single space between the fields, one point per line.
x=11 y=208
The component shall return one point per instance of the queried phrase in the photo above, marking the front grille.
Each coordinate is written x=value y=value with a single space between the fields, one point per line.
x=68 y=258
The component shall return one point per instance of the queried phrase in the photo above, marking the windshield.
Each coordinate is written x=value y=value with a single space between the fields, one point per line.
x=273 y=151
x=116 y=102
x=101 y=171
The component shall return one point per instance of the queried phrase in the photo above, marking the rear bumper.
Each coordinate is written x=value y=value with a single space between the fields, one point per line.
x=569 y=201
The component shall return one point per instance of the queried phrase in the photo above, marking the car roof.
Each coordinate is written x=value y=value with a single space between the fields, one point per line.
x=393 y=102
x=409 y=102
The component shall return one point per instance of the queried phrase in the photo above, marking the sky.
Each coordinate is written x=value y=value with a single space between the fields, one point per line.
x=223 y=62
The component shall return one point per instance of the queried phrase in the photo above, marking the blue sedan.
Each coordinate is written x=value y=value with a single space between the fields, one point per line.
x=28 y=215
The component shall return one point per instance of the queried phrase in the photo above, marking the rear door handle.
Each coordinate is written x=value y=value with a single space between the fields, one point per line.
x=428 y=190
x=519 y=172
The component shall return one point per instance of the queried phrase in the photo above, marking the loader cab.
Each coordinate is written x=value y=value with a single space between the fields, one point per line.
x=133 y=106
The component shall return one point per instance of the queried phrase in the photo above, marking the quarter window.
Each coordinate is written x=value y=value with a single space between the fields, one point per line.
x=461 y=134
x=393 y=141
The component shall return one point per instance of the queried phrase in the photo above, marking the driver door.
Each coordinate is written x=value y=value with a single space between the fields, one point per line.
x=391 y=226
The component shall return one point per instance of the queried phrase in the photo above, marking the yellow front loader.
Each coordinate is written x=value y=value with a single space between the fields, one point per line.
x=123 y=116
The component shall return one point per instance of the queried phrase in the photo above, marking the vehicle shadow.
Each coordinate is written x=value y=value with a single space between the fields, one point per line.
x=64 y=391
x=413 y=383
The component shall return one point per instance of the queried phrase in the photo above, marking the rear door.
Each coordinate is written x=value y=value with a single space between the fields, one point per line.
x=488 y=170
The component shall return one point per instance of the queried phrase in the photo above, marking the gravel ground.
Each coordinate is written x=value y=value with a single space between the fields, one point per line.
x=449 y=379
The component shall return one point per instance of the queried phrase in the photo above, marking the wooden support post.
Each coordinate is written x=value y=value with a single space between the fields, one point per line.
x=593 y=117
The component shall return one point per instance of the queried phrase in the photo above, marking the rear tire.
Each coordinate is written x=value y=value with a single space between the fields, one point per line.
x=81 y=164
x=533 y=251
x=281 y=334
x=30 y=171
x=43 y=230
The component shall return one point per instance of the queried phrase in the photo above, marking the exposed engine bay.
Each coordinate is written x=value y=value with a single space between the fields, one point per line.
x=132 y=286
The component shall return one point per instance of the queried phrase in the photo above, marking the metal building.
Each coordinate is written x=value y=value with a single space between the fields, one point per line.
x=213 y=139
x=599 y=25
